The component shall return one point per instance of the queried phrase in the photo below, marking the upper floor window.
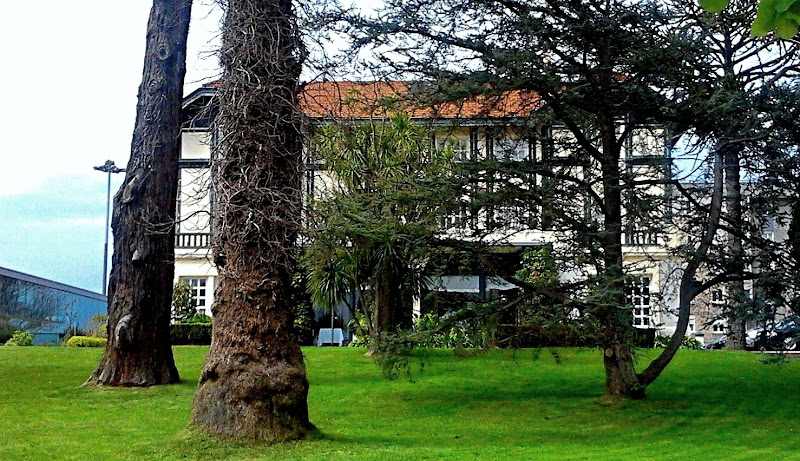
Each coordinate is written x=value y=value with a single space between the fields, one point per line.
x=510 y=149
x=460 y=147
x=195 y=145
x=717 y=299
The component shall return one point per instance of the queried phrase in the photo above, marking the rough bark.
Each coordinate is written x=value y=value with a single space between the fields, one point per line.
x=617 y=339
x=735 y=290
x=253 y=385
x=138 y=352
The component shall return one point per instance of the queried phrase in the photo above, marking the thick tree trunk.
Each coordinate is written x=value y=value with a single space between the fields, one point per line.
x=617 y=339
x=735 y=299
x=138 y=352
x=253 y=385
x=388 y=303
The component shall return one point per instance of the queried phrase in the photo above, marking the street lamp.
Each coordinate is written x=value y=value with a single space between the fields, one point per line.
x=109 y=168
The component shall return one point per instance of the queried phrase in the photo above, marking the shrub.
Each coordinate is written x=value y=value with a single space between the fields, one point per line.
x=20 y=338
x=190 y=334
x=686 y=343
x=98 y=326
x=197 y=318
x=86 y=341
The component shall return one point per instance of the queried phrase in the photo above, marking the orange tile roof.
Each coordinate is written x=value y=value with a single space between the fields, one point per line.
x=377 y=99
x=348 y=99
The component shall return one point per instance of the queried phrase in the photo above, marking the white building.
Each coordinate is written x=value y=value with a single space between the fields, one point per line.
x=469 y=130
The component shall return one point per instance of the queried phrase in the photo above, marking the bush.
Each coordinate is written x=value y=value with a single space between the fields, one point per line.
x=197 y=318
x=86 y=341
x=190 y=334
x=561 y=335
x=465 y=334
x=686 y=343
x=98 y=327
x=20 y=338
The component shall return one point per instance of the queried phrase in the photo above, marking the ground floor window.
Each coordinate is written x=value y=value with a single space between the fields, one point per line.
x=199 y=290
x=639 y=299
x=719 y=326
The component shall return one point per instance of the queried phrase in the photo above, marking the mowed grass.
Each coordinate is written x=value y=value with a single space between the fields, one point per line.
x=499 y=405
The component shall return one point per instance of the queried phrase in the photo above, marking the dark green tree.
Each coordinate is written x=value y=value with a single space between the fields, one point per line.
x=595 y=79
x=373 y=226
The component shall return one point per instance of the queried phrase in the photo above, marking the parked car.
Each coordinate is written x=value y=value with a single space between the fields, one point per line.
x=785 y=336
x=716 y=343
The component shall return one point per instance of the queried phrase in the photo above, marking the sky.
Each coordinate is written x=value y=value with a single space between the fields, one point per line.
x=70 y=78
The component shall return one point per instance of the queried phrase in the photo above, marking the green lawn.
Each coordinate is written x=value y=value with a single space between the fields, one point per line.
x=501 y=405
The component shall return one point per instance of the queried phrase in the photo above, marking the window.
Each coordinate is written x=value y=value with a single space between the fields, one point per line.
x=719 y=326
x=460 y=147
x=691 y=329
x=460 y=218
x=310 y=183
x=199 y=290
x=639 y=299
x=514 y=150
x=717 y=299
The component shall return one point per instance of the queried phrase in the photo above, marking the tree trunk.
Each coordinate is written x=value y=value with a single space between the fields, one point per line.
x=690 y=287
x=617 y=339
x=138 y=352
x=388 y=302
x=735 y=297
x=253 y=385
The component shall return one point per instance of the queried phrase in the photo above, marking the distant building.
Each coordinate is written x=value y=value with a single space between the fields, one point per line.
x=45 y=308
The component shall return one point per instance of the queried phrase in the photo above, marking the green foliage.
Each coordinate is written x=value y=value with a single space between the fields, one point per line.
x=197 y=318
x=20 y=338
x=686 y=343
x=184 y=306
x=474 y=333
x=197 y=334
x=86 y=341
x=779 y=16
x=372 y=229
x=535 y=335
x=98 y=327
x=714 y=6
x=302 y=308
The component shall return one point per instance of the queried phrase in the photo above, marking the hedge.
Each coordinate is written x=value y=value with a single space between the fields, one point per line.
x=514 y=336
x=190 y=334
x=86 y=341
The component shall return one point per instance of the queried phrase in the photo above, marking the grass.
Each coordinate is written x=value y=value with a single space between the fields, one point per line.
x=501 y=405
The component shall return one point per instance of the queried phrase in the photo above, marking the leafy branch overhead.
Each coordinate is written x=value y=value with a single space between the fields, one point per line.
x=779 y=16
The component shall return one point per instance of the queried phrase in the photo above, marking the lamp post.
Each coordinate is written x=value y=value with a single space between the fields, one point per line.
x=109 y=168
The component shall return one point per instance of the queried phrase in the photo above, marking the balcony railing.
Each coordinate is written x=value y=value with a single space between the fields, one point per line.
x=192 y=240
x=640 y=238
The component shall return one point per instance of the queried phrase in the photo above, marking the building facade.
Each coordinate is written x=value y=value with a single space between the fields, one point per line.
x=473 y=132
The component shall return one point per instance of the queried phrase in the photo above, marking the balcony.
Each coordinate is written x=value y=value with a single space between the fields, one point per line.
x=640 y=238
x=192 y=240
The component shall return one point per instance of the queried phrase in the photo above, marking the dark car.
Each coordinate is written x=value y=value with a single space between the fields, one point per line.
x=716 y=343
x=785 y=336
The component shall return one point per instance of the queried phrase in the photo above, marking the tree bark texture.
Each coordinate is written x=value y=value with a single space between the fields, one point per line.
x=253 y=385
x=138 y=352
x=735 y=296
x=617 y=338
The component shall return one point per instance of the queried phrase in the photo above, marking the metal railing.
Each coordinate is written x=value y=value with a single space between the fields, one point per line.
x=640 y=238
x=192 y=240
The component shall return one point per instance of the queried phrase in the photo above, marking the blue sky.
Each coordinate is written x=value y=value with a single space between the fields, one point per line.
x=69 y=104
